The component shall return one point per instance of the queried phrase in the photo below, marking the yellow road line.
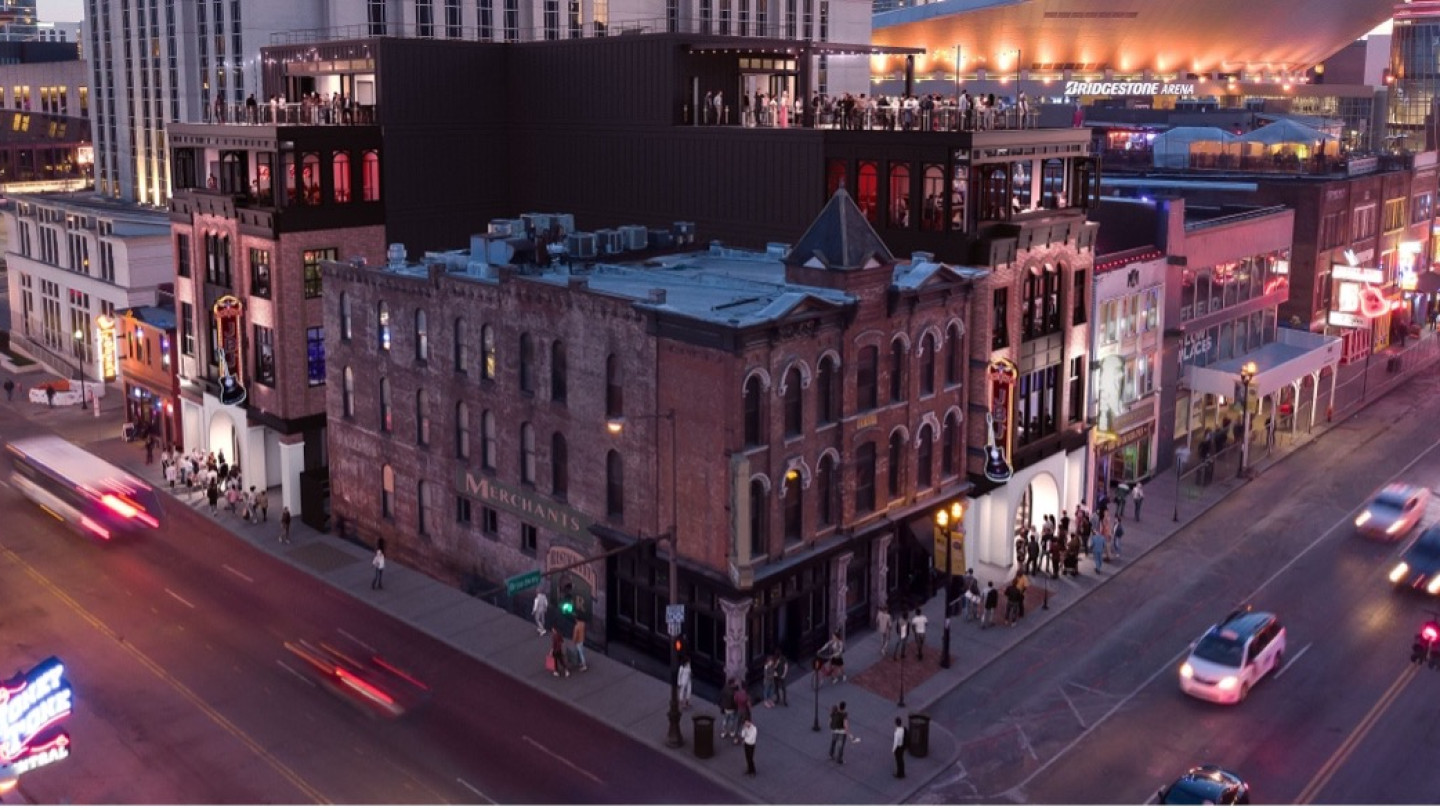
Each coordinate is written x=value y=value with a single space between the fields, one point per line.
x=1362 y=729
x=220 y=720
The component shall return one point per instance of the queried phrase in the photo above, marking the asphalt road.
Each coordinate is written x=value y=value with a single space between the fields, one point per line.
x=1088 y=709
x=186 y=695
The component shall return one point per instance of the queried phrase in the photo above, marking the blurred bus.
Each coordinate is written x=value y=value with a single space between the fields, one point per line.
x=81 y=489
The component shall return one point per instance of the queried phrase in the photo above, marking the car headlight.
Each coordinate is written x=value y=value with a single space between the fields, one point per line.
x=1434 y=586
x=1363 y=518
x=1186 y=671
x=1395 y=527
x=1399 y=571
x=1229 y=682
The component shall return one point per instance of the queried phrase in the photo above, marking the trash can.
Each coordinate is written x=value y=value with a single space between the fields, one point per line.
x=919 y=735
x=704 y=736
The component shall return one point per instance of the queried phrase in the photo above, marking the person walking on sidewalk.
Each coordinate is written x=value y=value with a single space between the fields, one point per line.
x=285 y=525
x=577 y=637
x=748 y=735
x=902 y=634
x=839 y=731
x=833 y=656
x=770 y=664
x=1115 y=535
x=898 y=746
x=782 y=671
x=917 y=624
x=212 y=494
x=727 y=709
x=539 y=611
x=557 y=653
x=378 y=563
x=992 y=601
x=882 y=623
x=742 y=706
x=683 y=680
x=1138 y=495
x=1097 y=548
x=262 y=501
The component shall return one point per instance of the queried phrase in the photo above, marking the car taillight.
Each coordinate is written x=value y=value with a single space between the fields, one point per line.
x=126 y=508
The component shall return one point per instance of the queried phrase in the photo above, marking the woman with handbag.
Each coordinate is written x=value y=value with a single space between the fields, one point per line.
x=557 y=664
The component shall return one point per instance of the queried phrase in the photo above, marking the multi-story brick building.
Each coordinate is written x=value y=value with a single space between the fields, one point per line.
x=254 y=211
x=147 y=353
x=789 y=414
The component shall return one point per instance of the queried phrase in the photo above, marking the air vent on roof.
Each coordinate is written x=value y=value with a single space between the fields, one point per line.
x=922 y=257
x=581 y=245
x=395 y=256
x=684 y=233
x=507 y=227
x=661 y=239
x=776 y=250
x=635 y=236
x=610 y=241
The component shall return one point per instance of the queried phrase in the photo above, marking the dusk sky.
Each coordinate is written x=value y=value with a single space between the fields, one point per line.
x=59 y=10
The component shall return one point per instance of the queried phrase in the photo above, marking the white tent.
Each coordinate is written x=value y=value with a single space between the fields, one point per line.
x=1171 y=149
x=1287 y=133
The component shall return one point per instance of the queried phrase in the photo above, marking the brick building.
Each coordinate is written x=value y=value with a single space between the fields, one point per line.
x=147 y=350
x=792 y=415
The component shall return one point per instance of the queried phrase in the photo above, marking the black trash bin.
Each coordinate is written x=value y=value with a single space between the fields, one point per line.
x=704 y=736
x=919 y=735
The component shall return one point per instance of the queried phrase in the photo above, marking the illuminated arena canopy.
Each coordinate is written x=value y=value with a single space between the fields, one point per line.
x=1256 y=40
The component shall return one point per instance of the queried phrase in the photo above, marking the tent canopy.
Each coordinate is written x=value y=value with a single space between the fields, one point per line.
x=1286 y=131
x=1171 y=148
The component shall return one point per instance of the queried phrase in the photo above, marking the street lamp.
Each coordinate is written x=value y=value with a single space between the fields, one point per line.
x=80 y=362
x=616 y=425
x=947 y=520
x=1247 y=373
x=1182 y=455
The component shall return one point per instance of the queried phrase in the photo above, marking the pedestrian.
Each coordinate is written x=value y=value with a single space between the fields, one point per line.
x=727 y=709
x=378 y=563
x=1138 y=494
x=742 y=706
x=833 y=656
x=149 y=450
x=992 y=601
x=917 y=624
x=262 y=500
x=50 y=394
x=249 y=509
x=577 y=637
x=1055 y=549
x=285 y=524
x=539 y=610
x=1022 y=584
x=1032 y=553
x=1116 y=535
x=882 y=623
x=769 y=681
x=1022 y=546
x=782 y=671
x=683 y=681
x=557 y=653
x=902 y=634
x=748 y=735
x=9 y=389
x=898 y=747
x=1012 y=603
x=1097 y=548
x=212 y=494
x=170 y=473
x=839 y=731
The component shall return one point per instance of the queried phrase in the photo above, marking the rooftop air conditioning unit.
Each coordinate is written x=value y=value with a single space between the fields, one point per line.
x=661 y=239
x=581 y=245
x=507 y=227
x=565 y=222
x=684 y=233
x=636 y=236
x=611 y=242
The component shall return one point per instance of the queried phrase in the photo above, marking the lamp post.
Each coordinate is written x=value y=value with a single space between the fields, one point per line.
x=815 y=689
x=947 y=520
x=1247 y=374
x=673 y=737
x=901 y=702
x=959 y=53
x=80 y=363
x=1182 y=455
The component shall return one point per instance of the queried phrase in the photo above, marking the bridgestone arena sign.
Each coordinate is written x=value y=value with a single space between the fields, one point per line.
x=1128 y=89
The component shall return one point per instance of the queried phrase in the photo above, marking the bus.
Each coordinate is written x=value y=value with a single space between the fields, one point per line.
x=80 y=489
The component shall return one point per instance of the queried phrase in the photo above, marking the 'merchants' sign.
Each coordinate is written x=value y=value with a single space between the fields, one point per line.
x=1128 y=89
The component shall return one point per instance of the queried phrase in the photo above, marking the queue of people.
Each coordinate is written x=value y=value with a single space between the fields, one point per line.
x=930 y=112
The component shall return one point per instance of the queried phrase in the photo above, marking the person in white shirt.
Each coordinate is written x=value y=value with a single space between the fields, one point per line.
x=379 y=565
x=683 y=682
x=538 y=612
x=898 y=747
x=748 y=735
x=918 y=625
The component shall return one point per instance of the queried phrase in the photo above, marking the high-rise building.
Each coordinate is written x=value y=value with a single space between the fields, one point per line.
x=1413 y=75
x=17 y=20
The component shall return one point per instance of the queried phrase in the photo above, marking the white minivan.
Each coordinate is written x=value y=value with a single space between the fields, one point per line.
x=1227 y=661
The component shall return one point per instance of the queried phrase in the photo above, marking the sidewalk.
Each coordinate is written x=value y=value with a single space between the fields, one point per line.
x=790 y=757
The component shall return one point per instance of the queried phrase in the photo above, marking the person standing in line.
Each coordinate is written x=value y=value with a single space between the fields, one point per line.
x=748 y=735
x=769 y=681
x=1032 y=553
x=1138 y=494
x=262 y=500
x=170 y=473
x=683 y=682
x=882 y=623
x=539 y=611
x=1012 y=603
x=992 y=601
x=577 y=637
x=378 y=563
x=1115 y=536
x=898 y=746
x=782 y=671
x=839 y=731
x=285 y=524
x=917 y=624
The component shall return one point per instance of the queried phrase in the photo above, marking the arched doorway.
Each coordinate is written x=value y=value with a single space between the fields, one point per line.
x=222 y=437
x=1040 y=498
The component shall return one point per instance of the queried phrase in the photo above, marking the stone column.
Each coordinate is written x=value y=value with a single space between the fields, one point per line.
x=880 y=593
x=737 y=632
x=838 y=586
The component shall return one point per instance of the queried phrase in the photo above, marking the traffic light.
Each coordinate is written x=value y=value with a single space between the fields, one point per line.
x=567 y=599
x=679 y=643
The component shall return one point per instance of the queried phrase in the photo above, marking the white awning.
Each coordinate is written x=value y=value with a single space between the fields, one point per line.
x=1294 y=354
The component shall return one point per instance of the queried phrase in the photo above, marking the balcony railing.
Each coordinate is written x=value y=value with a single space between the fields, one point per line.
x=325 y=112
x=733 y=27
x=946 y=117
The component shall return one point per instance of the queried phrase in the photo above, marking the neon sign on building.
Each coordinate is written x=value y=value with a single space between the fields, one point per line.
x=32 y=705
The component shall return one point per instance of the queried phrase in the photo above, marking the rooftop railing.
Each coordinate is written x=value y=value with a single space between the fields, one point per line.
x=734 y=27
x=325 y=112
x=944 y=117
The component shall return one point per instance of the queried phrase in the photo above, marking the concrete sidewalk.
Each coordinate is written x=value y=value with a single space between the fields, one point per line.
x=790 y=756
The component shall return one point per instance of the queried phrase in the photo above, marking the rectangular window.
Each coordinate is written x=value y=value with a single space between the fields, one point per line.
x=182 y=255
x=462 y=510
x=489 y=521
x=424 y=18
x=485 y=11
x=1077 y=389
x=1000 y=318
x=529 y=539
x=452 y=19
x=1394 y=215
x=1364 y=219
x=265 y=356
x=1081 y=311
x=187 y=329
x=311 y=259
x=259 y=273
x=315 y=354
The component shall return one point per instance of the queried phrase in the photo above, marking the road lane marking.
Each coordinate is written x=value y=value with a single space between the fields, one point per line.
x=164 y=675
x=597 y=780
x=1292 y=661
x=177 y=598
x=1362 y=729
x=287 y=668
x=1080 y=721
x=475 y=790
x=237 y=573
x=354 y=639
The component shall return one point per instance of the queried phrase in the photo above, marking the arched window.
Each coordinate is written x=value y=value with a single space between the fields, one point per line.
x=422 y=506
x=827 y=392
x=346 y=324
x=382 y=320
x=340 y=169
x=488 y=440
x=462 y=430
x=825 y=490
x=897 y=370
x=1030 y=313
x=527 y=363
x=950 y=446
x=558 y=383
x=460 y=347
x=370 y=182
x=488 y=360
x=896 y=479
x=387 y=491
x=899 y=195
x=834 y=176
x=932 y=217
x=754 y=416
x=996 y=202
x=794 y=404
x=387 y=414
x=865 y=479
x=925 y=459
x=527 y=454
x=867 y=395
x=927 y=365
x=348 y=391
x=794 y=508
x=952 y=356
x=422 y=336
x=422 y=418
x=614 y=486
x=310 y=179
x=614 y=388
x=759 y=520
x=559 y=465
x=867 y=191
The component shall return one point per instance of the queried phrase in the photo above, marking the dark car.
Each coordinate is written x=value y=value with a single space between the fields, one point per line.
x=1420 y=564
x=1206 y=784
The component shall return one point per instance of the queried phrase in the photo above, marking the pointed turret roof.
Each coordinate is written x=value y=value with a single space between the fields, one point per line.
x=840 y=239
